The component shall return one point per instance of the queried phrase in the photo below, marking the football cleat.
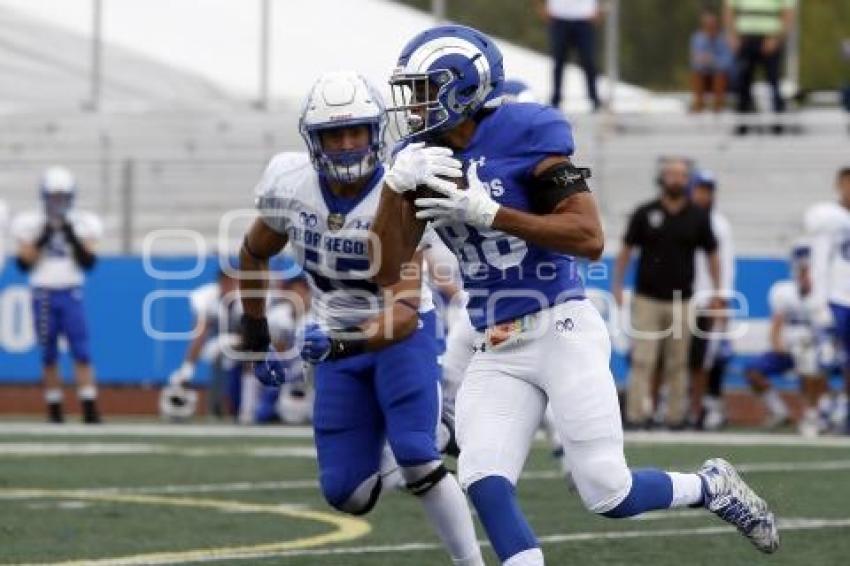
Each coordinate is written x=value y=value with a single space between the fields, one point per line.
x=730 y=498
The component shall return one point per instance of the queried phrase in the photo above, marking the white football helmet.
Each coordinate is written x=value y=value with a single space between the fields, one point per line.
x=341 y=99
x=177 y=403
x=58 y=188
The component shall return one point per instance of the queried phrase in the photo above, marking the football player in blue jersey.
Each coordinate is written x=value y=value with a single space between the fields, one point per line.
x=518 y=228
x=374 y=351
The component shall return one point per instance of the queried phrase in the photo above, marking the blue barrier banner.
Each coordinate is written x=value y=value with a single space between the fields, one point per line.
x=120 y=289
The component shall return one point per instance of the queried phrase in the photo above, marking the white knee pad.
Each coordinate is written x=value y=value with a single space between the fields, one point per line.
x=603 y=480
x=364 y=498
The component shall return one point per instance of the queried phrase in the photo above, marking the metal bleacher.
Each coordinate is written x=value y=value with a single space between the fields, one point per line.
x=150 y=170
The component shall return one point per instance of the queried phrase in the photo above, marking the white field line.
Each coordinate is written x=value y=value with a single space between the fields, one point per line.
x=32 y=449
x=155 y=429
x=752 y=467
x=786 y=525
x=308 y=484
x=235 y=431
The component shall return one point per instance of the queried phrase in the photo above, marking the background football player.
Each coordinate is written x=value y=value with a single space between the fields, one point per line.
x=828 y=227
x=374 y=352
x=56 y=247
x=709 y=351
x=515 y=230
x=792 y=347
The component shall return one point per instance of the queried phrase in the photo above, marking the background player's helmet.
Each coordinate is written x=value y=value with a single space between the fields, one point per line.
x=801 y=253
x=516 y=90
x=704 y=178
x=177 y=403
x=58 y=188
x=338 y=100
x=444 y=75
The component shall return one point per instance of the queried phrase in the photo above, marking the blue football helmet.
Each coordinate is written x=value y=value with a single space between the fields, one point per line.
x=444 y=76
x=339 y=100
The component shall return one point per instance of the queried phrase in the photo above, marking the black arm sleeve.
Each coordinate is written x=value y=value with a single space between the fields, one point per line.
x=634 y=232
x=555 y=184
x=707 y=239
x=82 y=256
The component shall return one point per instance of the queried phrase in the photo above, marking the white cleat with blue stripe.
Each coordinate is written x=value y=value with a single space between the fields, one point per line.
x=730 y=498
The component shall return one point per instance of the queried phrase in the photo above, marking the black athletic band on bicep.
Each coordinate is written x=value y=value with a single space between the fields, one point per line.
x=556 y=183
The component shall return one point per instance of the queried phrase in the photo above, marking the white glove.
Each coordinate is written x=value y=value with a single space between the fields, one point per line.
x=182 y=375
x=472 y=206
x=419 y=165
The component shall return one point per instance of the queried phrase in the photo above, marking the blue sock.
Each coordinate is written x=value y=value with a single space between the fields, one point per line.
x=495 y=502
x=651 y=490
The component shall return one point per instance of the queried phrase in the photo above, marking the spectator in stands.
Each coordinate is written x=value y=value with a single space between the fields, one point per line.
x=757 y=32
x=710 y=350
x=668 y=231
x=711 y=63
x=572 y=25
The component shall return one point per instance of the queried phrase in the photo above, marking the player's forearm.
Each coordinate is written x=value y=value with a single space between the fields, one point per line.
x=395 y=235
x=620 y=266
x=28 y=256
x=393 y=325
x=566 y=232
x=776 y=324
x=197 y=343
x=253 y=290
x=714 y=271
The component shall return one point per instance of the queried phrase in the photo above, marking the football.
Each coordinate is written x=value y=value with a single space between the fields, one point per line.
x=424 y=191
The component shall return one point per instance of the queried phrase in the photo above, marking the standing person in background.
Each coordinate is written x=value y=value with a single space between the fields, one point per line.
x=757 y=32
x=711 y=63
x=668 y=231
x=572 y=25
x=828 y=227
x=710 y=351
x=4 y=221
x=56 y=248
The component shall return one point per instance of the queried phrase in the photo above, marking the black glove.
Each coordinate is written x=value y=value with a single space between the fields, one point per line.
x=255 y=334
x=82 y=256
x=46 y=234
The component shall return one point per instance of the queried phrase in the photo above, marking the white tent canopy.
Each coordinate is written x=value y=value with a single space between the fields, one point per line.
x=219 y=40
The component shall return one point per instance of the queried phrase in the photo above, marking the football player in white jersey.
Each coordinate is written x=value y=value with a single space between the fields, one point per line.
x=212 y=334
x=524 y=214
x=828 y=227
x=56 y=247
x=4 y=221
x=792 y=347
x=709 y=351
x=374 y=351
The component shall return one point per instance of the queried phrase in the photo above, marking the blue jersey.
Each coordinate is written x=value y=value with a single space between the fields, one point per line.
x=507 y=277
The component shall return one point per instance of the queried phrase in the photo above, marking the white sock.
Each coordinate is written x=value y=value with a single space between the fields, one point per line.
x=447 y=509
x=87 y=393
x=774 y=403
x=530 y=557
x=53 y=395
x=687 y=489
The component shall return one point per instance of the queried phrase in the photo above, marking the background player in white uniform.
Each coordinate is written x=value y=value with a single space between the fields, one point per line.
x=537 y=338
x=56 y=247
x=828 y=228
x=374 y=351
x=710 y=352
x=212 y=334
x=792 y=347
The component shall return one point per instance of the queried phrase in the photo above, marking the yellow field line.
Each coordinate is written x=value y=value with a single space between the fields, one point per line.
x=346 y=528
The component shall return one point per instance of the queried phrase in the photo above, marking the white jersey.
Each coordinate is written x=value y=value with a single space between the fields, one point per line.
x=725 y=252
x=206 y=302
x=332 y=247
x=784 y=299
x=4 y=222
x=828 y=228
x=56 y=268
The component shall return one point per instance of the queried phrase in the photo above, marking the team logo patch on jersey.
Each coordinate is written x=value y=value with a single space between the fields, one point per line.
x=656 y=218
x=336 y=221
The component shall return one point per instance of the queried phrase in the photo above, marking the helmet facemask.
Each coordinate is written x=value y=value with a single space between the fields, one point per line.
x=345 y=166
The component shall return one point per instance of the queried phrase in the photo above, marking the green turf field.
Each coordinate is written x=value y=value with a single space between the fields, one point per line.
x=153 y=495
